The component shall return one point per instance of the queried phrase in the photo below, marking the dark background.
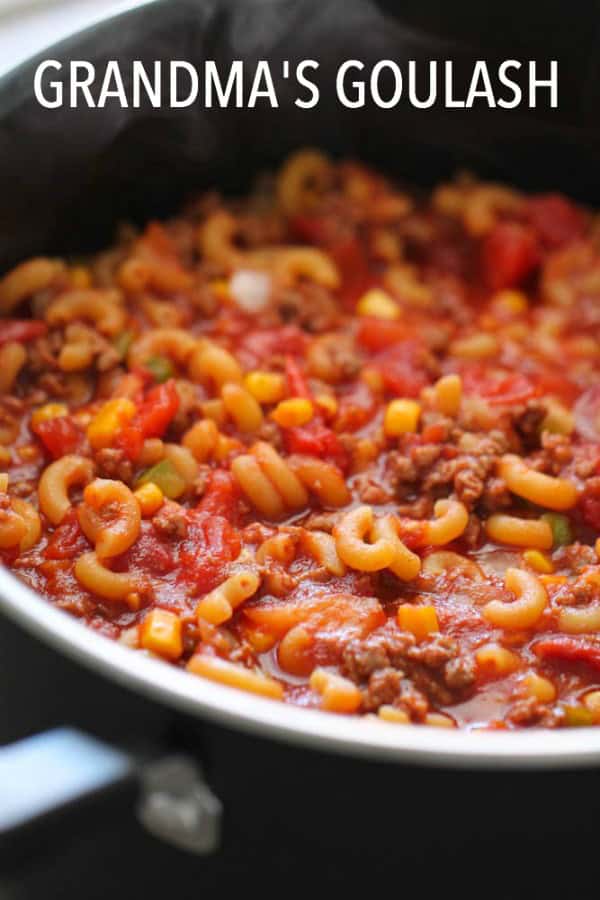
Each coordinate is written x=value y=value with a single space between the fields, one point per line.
x=295 y=821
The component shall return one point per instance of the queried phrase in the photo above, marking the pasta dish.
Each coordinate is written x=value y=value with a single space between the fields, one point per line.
x=336 y=443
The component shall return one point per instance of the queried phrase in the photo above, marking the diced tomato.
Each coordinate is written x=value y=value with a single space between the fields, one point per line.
x=555 y=219
x=210 y=544
x=158 y=409
x=296 y=381
x=150 y=555
x=590 y=510
x=508 y=389
x=311 y=229
x=59 y=436
x=509 y=254
x=377 y=334
x=68 y=540
x=131 y=440
x=433 y=434
x=21 y=330
x=316 y=439
x=400 y=369
x=353 y=265
x=221 y=495
x=152 y=419
x=570 y=649
x=265 y=342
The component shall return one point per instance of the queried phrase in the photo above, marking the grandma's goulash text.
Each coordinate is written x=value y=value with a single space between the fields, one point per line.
x=387 y=84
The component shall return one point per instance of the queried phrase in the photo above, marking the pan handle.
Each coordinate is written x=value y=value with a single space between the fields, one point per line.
x=51 y=778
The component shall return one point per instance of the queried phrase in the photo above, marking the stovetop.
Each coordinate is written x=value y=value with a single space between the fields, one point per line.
x=295 y=820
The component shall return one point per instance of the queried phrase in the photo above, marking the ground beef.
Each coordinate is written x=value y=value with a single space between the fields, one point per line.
x=333 y=358
x=575 y=556
x=384 y=687
x=309 y=306
x=470 y=475
x=371 y=491
x=558 y=451
x=322 y=521
x=435 y=668
x=113 y=463
x=271 y=433
x=170 y=522
x=529 y=711
x=527 y=424
x=495 y=495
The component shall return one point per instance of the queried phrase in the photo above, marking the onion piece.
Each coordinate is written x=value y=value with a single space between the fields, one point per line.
x=250 y=290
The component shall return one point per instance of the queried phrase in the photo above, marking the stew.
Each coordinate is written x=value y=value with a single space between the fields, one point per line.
x=337 y=444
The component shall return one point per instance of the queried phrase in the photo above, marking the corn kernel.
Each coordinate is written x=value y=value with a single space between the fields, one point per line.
x=48 y=411
x=378 y=304
x=419 y=620
x=160 y=632
x=290 y=413
x=80 y=277
x=338 y=694
x=150 y=497
x=3 y=482
x=539 y=687
x=393 y=714
x=266 y=387
x=327 y=403
x=448 y=393
x=511 y=302
x=108 y=421
x=401 y=417
x=220 y=287
x=496 y=660
x=539 y=562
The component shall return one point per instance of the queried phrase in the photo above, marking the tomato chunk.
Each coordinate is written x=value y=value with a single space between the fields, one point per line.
x=210 y=543
x=68 y=540
x=316 y=439
x=152 y=419
x=590 y=510
x=571 y=649
x=221 y=495
x=21 y=330
x=401 y=369
x=555 y=219
x=296 y=381
x=59 y=436
x=509 y=254
x=377 y=334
